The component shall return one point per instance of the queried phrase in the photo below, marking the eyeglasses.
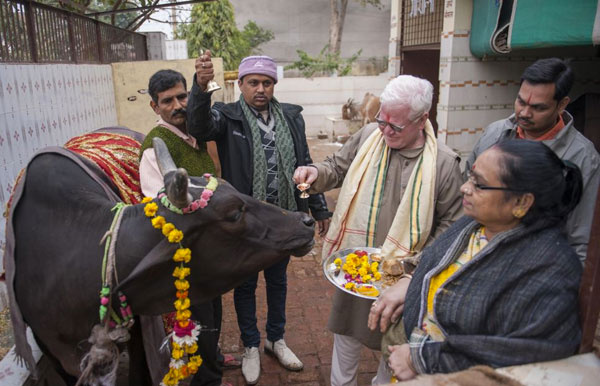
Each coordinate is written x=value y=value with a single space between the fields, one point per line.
x=383 y=124
x=472 y=179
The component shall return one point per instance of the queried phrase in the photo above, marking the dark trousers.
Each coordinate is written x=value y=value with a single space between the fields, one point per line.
x=244 y=298
x=209 y=316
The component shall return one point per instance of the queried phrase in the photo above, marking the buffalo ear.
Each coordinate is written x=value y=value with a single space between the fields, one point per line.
x=176 y=180
x=176 y=187
x=154 y=268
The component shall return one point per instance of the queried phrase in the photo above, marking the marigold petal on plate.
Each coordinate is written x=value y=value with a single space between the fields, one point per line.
x=368 y=291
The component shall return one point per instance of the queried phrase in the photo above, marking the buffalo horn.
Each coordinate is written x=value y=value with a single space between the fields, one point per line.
x=163 y=157
x=176 y=187
x=176 y=180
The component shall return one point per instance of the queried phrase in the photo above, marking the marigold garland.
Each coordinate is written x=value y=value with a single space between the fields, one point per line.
x=185 y=331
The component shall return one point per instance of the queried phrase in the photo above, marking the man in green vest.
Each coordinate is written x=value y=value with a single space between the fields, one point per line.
x=168 y=90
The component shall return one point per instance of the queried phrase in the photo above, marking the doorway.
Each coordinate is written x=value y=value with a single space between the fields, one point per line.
x=424 y=63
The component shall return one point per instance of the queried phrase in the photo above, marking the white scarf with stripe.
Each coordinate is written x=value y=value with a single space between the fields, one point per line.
x=354 y=222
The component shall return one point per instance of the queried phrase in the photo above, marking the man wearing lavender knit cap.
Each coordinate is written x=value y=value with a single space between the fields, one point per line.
x=260 y=142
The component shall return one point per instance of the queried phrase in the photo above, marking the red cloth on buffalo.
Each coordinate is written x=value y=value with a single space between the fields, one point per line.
x=118 y=156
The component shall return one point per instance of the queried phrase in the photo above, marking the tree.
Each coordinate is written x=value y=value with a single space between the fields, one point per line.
x=336 y=21
x=212 y=26
x=127 y=20
x=326 y=63
x=255 y=36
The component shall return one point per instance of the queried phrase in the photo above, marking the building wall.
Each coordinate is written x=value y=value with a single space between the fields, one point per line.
x=323 y=97
x=156 y=44
x=176 y=49
x=476 y=92
x=45 y=105
x=305 y=25
x=131 y=85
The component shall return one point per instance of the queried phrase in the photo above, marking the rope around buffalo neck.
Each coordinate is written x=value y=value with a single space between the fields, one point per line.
x=109 y=272
x=100 y=364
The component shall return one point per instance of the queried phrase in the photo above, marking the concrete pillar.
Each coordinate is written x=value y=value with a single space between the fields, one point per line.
x=394 y=58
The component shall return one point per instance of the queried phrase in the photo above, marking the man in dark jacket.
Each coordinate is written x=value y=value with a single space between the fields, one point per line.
x=260 y=143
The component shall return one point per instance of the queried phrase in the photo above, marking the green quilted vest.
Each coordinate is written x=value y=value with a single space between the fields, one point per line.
x=195 y=161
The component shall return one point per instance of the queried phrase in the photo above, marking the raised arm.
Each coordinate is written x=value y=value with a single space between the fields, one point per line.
x=204 y=123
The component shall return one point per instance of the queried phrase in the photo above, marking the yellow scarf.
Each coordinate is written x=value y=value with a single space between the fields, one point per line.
x=354 y=222
x=477 y=241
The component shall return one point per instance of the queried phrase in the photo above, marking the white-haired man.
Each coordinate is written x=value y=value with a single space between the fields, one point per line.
x=389 y=171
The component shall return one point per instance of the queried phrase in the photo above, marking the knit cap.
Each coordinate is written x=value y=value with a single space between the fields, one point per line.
x=263 y=65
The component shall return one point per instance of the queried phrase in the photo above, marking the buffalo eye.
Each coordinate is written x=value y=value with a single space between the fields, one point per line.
x=235 y=214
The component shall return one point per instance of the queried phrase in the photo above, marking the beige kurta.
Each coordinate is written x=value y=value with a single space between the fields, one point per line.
x=448 y=208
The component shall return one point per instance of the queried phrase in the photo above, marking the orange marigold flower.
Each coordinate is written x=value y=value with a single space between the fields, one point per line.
x=185 y=372
x=182 y=254
x=182 y=304
x=194 y=363
x=150 y=209
x=167 y=228
x=158 y=222
x=181 y=272
x=192 y=349
x=177 y=353
x=170 y=379
x=183 y=315
x=175 y=236
x=197 y=359
x=182 y=285
x=181 y=294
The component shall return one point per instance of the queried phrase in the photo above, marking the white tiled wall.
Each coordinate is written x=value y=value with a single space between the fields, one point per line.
x=45 y=105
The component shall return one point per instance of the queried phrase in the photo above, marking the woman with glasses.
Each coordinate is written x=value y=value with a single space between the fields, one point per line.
x=500 y=286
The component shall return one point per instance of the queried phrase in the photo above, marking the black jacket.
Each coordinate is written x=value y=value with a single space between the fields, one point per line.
x=226 y=124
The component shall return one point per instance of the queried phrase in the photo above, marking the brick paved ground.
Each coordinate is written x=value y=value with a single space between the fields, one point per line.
x=308 y=304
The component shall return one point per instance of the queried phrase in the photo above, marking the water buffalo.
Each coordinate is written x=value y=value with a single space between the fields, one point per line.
x=62 y=214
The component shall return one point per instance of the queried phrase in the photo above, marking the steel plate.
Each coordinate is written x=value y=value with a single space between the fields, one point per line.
x=338 y=280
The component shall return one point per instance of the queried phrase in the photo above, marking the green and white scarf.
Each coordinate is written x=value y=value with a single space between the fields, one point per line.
x=286 y=158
